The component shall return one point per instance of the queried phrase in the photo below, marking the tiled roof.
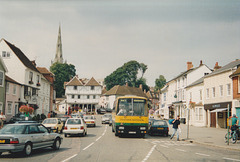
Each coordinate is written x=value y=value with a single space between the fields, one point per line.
x=8 y=79
x=43 y=70
x=236 y=73
x=92 y=82
x=74 y=82
x=21 y=56
x=125 y=90
x=225 y=68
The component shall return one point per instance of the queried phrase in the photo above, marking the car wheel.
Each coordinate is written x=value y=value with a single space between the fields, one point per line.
x=0 y=153
x=65 y=135
x=56 y=144
x=94 y=125
x=27 y=149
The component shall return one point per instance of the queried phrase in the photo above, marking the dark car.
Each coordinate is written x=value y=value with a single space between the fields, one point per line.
x=108 y=110
x=158 y=127
x=64 y=119
x=150 y=120
x=101 y=111
x=19 y=117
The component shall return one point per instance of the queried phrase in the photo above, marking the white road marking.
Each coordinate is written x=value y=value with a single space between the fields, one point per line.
x=230 y=159
x=149 y=153
x=181 y=150
x=164 y=146
x=201 y=154
x=88 y=146
x=69 y=158
x=98 y=138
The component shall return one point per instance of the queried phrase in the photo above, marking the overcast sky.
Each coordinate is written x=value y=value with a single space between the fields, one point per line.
x=98 y=36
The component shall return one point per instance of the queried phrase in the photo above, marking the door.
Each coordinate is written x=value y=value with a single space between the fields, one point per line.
x=238 y=113
x=213 y=119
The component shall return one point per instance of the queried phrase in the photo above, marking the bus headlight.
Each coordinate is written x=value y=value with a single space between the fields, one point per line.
x=142 y=128
x=120 y=127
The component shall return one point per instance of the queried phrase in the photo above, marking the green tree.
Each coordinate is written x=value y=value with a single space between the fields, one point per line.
x=160 y=82
x=63 y=73
x=127 y=74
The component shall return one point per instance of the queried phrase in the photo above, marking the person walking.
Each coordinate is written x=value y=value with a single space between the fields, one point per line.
x=176 y=127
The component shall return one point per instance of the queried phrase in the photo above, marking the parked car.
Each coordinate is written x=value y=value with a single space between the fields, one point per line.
x=108 y=110
x=26 y=137
x=90 y=120
x=159 y=127
x=101 y=111
x=19 y=117
x=106 y=118
x=75 y=126
x=54 y=124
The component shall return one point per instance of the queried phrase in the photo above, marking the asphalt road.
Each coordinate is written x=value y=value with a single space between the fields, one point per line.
x=101 y=145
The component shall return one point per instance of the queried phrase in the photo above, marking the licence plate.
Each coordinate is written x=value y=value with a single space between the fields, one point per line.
x=73 y=128
x=2 y=141
x=88 y=122
x=132 y=132
x=160 y=128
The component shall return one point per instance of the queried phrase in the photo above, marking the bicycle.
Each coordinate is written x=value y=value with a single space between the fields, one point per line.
x=233 y=135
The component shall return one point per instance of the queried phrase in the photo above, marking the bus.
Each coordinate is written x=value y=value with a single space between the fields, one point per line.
x=130 y=116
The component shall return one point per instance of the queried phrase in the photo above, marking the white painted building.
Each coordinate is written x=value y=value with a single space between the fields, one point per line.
x=83 y=94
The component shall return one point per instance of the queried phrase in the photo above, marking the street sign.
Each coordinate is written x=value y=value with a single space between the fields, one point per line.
x=229 y=122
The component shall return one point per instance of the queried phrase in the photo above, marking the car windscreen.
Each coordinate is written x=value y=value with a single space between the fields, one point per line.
x=161 y=123
x=107 y=115
x=13 y=129
x=50 y=121
x=73 y=121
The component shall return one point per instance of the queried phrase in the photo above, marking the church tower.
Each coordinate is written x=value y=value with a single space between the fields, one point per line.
x=58 y=57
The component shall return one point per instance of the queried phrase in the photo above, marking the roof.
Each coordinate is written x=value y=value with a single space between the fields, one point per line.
x=236 y=73
x=225 y=68
x=44 y=70
x=199 y=81
x=92 y=82
x=125 y=90
x=74 y=82
x=8 y=79
x=21 y=56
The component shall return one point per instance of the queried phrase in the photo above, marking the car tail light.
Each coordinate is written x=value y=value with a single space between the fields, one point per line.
x=92 y=122
x=82 y=127
x=14 y=141
x=168 y=128
x=65 y=128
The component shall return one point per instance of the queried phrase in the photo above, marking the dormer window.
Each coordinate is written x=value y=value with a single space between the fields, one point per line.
x=5 y=54
x=75 y=87
x=92 y=87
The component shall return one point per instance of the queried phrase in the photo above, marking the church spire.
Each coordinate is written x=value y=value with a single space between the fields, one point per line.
x=58 y=56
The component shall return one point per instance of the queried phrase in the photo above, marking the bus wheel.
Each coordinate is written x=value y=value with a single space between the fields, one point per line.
x=142 y=135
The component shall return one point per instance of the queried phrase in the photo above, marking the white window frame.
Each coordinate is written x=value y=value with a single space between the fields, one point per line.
x=200 y=94
x=16 y=108
x=164 y=96
x=9 y=107
x=213 y=92
x=221 y=90
x=229 y=89
x=14 y=89
x=2 y=79
x=200 y=113
x=207 y=93
x=30 y=76
x=7 y=88
x=4 y=54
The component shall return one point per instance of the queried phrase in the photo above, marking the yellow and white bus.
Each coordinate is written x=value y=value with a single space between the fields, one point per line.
x=130 y=116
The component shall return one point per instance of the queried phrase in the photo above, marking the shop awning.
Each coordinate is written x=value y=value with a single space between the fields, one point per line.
x=219 y=110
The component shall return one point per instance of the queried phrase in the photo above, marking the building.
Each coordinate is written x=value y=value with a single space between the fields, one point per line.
x=59 y=55
x=23 y=71
x=13 y=92
x=3 y=70
x=218 y=94
x=83 y=94
x=118 y=91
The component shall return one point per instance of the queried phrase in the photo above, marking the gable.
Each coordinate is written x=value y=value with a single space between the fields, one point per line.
x=92 y=82
x=74 y=82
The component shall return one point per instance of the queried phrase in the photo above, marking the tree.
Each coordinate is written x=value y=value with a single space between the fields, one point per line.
x=127 y=74
x=160 y=82
x=63 y=73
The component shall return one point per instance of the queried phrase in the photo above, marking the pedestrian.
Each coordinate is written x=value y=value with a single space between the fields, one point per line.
x=1 y=123
x=176 y=127
x=49 y=114
x=235 y=121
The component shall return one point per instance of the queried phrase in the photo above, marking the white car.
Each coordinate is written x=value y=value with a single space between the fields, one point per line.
x=106 y=118
x=75 y=126
x=90 y=120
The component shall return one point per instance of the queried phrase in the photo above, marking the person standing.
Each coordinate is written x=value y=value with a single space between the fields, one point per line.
x=176 y=126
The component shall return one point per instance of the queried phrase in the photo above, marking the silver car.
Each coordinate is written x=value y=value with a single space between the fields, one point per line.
x=26 y=137
x=106 y=118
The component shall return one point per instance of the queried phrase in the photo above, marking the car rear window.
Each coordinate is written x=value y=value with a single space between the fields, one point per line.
x=13 y=129
x=74 y=121
x=50 y=121
x=88 y=117
x=162 y=123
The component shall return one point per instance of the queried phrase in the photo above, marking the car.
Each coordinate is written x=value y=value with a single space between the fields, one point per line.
x=90 y=120
x=150 y=120
x=108 y=110
x=64 y=119
x=158 y=127
x=101 y=111
x=19 y=117
x=54 y=124
x=26 y=137
x=76 y=115
x=106 y=118
x=75 y=126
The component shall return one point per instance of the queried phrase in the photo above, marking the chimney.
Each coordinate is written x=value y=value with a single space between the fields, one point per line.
x=34 y=63
x=140 y=86
x=189 y=65
x=217 y=66
x=127 y=84
x=201 y=63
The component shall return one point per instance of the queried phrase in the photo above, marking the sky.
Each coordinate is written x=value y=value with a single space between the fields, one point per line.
x=98 y=36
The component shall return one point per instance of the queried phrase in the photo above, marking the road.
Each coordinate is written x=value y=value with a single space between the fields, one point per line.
x=101 y=145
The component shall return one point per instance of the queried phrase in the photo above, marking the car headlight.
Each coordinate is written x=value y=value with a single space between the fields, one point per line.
x=120 y=127
x=142 y=128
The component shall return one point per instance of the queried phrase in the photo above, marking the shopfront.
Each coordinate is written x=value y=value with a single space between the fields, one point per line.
x=217 y=114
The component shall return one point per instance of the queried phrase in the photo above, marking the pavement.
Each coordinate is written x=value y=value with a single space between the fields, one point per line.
x=214 y=137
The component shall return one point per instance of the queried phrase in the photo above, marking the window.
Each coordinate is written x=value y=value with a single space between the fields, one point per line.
x=7 y=88
x=221 y=90
x=38 y=79
x=165 y=96
x=228 y=89
x=94 y=96
x=199 y=113
x=1 y=107
x=30 y=76
x=92 y=87
x=4 y=53
x=79 y=96
x=72 y=96
x=213 y=92
x=75 y=87
x=200 y=94
x=207 y=91
x=14 y=89
x=34 y=91
x=88 y=96
x=9 y=108
x=1 y=78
